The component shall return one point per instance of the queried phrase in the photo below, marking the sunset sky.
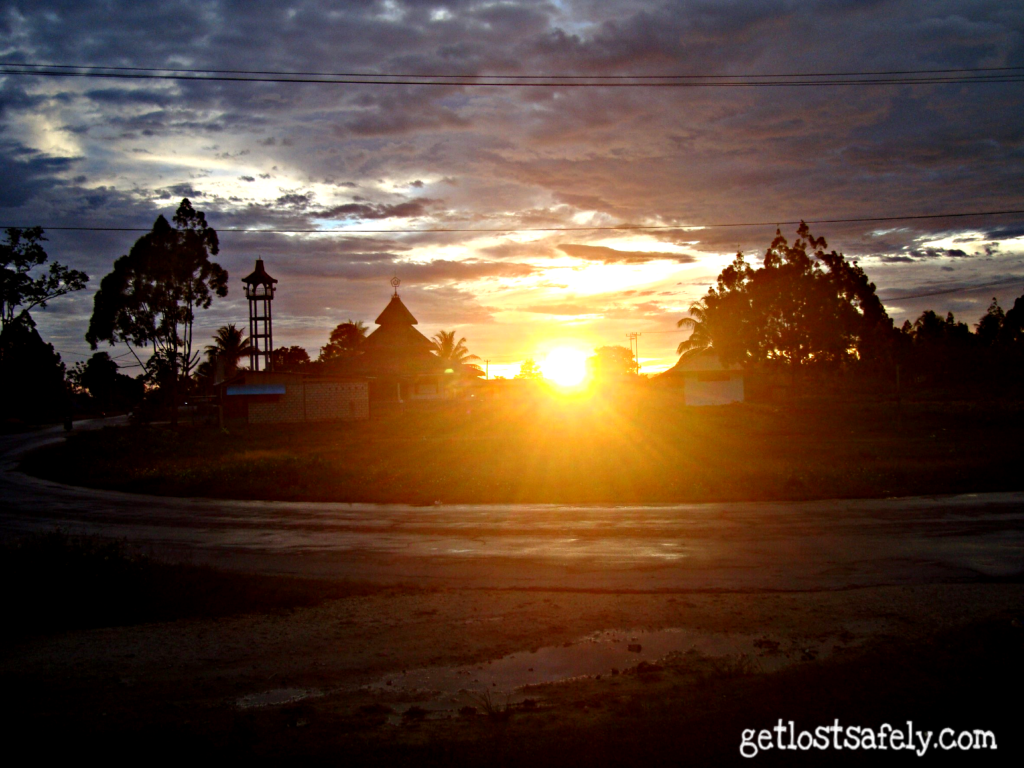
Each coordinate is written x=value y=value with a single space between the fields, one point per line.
x=343 y=157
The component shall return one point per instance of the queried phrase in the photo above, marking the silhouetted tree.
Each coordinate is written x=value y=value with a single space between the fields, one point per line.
x=700 y=332
x=804 y=305
x=20 y=291
x=32 y=388
x=109 y=389
x=529 y=370
x=290 y=359
x=990 y=326
x=152 y=295
x=344 y=342
x=229 y=346
x=1012 y=331
x=455 y=354
x=611 y=362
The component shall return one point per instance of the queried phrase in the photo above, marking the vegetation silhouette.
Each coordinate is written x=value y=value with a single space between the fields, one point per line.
x=152 y=294
x=108 y=389
x=344 y=342
x=455 y=354
x=805 y=305
x=32 y=383
x=291 y=359
x=31 y=372
x=20 y=253
x=229 y=346
x=529 y=369
x=612 y=362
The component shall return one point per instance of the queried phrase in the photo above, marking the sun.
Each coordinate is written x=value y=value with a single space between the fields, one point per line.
x=565 y=366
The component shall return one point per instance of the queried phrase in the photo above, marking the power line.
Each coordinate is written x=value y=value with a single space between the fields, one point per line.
x=610 y=228
x=549 y=76
x=964 y=79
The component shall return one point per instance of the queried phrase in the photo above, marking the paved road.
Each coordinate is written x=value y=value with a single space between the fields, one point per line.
x=806 y=545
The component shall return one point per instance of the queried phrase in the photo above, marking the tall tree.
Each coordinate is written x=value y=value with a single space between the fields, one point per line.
x=32 y=386
x=804 y=305
x=31 y=372
x=990 y=326
x=21 y=290
x=153 y=293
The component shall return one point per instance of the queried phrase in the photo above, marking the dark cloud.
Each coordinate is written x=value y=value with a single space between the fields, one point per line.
x=613 y=256
x=516 y=157
x=409 y=209
x=179 y=191
x=27 y=172
x=934 y=253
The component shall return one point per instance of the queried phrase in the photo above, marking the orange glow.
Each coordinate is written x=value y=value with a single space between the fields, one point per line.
x=565 y=366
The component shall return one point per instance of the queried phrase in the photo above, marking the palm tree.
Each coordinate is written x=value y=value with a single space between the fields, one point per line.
x=229 y=346
x=700 y=336
x=454 y=353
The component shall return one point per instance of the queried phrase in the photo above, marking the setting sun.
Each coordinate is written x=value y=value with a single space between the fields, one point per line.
x=565 y=366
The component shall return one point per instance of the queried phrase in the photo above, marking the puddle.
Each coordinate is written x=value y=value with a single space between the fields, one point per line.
x=276 y=697
x=445 y=688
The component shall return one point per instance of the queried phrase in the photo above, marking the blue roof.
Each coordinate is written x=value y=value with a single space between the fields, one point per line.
x=257 y=389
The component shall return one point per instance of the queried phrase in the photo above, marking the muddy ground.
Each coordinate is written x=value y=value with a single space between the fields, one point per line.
x=339 y=682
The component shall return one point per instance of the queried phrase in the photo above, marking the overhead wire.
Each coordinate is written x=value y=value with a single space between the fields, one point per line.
x=893 y=77
x=549 y=76
x=512 y=230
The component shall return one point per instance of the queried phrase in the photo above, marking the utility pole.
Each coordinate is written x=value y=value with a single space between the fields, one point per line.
x=487 y=375
x=634 y=347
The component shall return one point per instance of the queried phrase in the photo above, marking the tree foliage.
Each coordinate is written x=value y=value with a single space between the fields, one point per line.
x=611 y=362
x=344 y=342
x=21 y=289
x=529 y=369
x=152 y=294
x=454 y=354
x=229 y=346
x=32 y=385
x=109 y=389
x=289 y=359
x=449 y=350
x=803 y=305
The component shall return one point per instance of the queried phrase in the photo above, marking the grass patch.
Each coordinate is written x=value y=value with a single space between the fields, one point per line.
x=641 y=447
x=56 y=582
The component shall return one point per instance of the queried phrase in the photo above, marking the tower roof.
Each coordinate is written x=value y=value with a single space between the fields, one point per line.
x=395 y=313
x=259 y=276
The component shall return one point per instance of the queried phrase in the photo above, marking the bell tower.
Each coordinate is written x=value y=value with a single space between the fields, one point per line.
x=259 y=290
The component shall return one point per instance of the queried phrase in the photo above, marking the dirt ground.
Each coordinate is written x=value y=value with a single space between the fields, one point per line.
x=328 y=680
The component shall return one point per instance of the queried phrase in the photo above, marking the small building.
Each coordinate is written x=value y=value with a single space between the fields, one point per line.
x=400 y=361
x=706 y=381
x=269 y=398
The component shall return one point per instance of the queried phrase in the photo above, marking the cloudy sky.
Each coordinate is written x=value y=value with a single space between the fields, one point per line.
x=346 y=157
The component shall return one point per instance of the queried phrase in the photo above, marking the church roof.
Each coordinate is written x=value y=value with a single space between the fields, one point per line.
x=396 y=313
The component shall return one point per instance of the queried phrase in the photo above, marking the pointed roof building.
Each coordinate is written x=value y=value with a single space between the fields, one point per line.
x=396 y=347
